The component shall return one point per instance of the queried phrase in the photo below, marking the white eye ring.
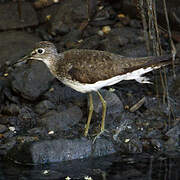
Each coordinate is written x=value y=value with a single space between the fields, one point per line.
x=40 y=51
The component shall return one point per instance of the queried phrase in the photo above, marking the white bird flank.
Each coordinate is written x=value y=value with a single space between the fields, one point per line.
x=136 y=75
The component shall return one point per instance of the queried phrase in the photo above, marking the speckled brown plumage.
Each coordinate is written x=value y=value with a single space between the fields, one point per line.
x=90 y=66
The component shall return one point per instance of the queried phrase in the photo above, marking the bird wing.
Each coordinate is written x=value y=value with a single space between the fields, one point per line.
x=90 y=66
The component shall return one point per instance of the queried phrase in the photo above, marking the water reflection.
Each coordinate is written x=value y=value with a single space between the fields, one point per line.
x=113 y=167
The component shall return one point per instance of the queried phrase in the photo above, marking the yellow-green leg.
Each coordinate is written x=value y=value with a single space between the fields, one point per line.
x=103 y=112
x=91 y=108
x=103 y=116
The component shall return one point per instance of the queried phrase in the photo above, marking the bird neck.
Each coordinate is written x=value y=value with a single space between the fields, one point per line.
x=53 y=63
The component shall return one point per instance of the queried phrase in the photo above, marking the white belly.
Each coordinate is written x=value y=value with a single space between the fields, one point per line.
x=83 y=88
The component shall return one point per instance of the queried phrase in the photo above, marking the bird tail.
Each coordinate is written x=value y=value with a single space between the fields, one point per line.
x=160 y=60
x=153 y=61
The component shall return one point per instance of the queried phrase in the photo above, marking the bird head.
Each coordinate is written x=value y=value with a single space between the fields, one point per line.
x=44 y=51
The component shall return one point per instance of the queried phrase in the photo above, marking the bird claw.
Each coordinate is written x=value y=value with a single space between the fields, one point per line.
x=143 y=80
x=99 y=134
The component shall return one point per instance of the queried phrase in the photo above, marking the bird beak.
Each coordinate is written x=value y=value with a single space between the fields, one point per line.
x=21 y=61
x=24 y=59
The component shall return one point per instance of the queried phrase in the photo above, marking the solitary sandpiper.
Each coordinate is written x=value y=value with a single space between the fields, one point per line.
x=90 y=70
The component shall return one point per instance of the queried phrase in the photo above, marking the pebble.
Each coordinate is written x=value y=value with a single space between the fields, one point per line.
x=106 y=29
x=3 y=128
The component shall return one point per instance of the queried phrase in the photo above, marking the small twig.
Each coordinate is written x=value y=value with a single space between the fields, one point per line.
x=145 y=28
x=136 y=106
x=158 y=42
x=173 y=50
x=19 y=9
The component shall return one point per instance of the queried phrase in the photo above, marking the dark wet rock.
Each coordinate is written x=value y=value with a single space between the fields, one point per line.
x=3 y=128
x=4 y=119
x=60 y=28
x=11 y=18
x=26 y=139
x=154 y=133
x=130 y=7
x=4 y=148
x=127 y=173
x=120 y=37
x=14 y=45
x=58 y=150
x=59 y=121
x=69 y=17
x=9 y=95
x=43 y=33
x=11 y=120
x=147 y=146
x=44 y=106
x=124 y=123
x=26 y=118
x=9 y=134
x=135 y=23
x=171 y=144
x=156 y=110
x=31 y=81
x=61 y=107
x=133 y=35
x=90 y=32
x=129 y=142
x=11 y=109
x=130 y=134
x=175 y=86
x=63 y=94
x=107 y=44
x=158 y=125
x=103 y=147
x=174 y=135
x=4 y=83
x=103 y=22
x=45 y=14
x=38 y=131
x=70 y=40
x=114 y=104
x=136 y=50
x=104 y=16
x=105 y=13
x=93 y=42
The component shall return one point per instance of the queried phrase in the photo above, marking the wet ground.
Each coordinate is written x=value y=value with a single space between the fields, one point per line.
x=42 y=121
x=113 y=167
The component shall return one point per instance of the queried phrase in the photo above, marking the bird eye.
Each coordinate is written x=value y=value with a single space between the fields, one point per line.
x=40 y=51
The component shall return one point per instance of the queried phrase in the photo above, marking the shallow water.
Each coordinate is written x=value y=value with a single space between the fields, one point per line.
x=113 y=167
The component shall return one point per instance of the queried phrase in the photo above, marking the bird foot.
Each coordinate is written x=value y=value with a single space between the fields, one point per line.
x=99 y=134
x=143 y=79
